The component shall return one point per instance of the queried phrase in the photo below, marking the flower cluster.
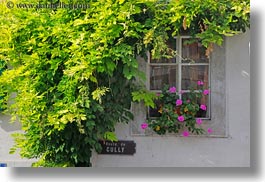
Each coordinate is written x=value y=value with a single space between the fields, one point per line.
x=179 y=114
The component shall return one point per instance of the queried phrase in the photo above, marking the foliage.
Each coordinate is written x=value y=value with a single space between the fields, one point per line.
x=73 y=70
x=143 y=95
x=178 y=114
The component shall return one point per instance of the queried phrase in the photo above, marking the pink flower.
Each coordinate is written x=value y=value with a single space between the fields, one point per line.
x=205 y=92
x=199 y=82
x=185 y=134
x=210 y=130
x=172 y=89
x=158 y=94
x=188 y=101
x=144 y=125
x=203 y=107
x=178 y=102
x=181 y=92
x=181 y=118
x=199 y=121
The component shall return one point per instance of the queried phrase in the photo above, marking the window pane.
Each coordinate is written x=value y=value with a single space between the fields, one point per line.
x=154 y=112
x=171 y=43
x=161 y=76
x=193 y=51
x=192 y=74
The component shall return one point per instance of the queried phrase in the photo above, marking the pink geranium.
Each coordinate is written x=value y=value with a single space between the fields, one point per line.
x=205 y=92
x=210 y=130
x=181 y=118
x=199 y=82
x=199 y=121
x=172 y=89
x=185 y=133
x=203 y=107
x=144 y=125
x=178 y=102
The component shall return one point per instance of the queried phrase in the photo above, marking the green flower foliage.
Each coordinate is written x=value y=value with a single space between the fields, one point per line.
x=177 y=114
x=71 y=72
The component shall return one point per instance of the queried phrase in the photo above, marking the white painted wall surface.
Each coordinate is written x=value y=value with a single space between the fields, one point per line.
x=172 y=151
x=6 y=142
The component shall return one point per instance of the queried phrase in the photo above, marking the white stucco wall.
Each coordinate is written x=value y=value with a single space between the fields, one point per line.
x=6 y=142
x=231 y=151
x=172 y=151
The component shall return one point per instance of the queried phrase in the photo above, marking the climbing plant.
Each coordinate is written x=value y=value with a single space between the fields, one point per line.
x=71 y=71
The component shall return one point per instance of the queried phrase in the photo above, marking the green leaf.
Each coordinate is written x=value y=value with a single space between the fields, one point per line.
x=98 y=93
x=110 y=136
x=147 y=97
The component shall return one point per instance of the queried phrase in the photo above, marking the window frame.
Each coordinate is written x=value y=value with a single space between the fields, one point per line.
x=219 y=95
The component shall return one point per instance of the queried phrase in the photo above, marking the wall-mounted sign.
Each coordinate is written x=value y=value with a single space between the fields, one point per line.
x=121 y=147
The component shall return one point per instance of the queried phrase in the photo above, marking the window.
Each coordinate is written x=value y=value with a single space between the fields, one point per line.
x=183 y=71
x=195 y=66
